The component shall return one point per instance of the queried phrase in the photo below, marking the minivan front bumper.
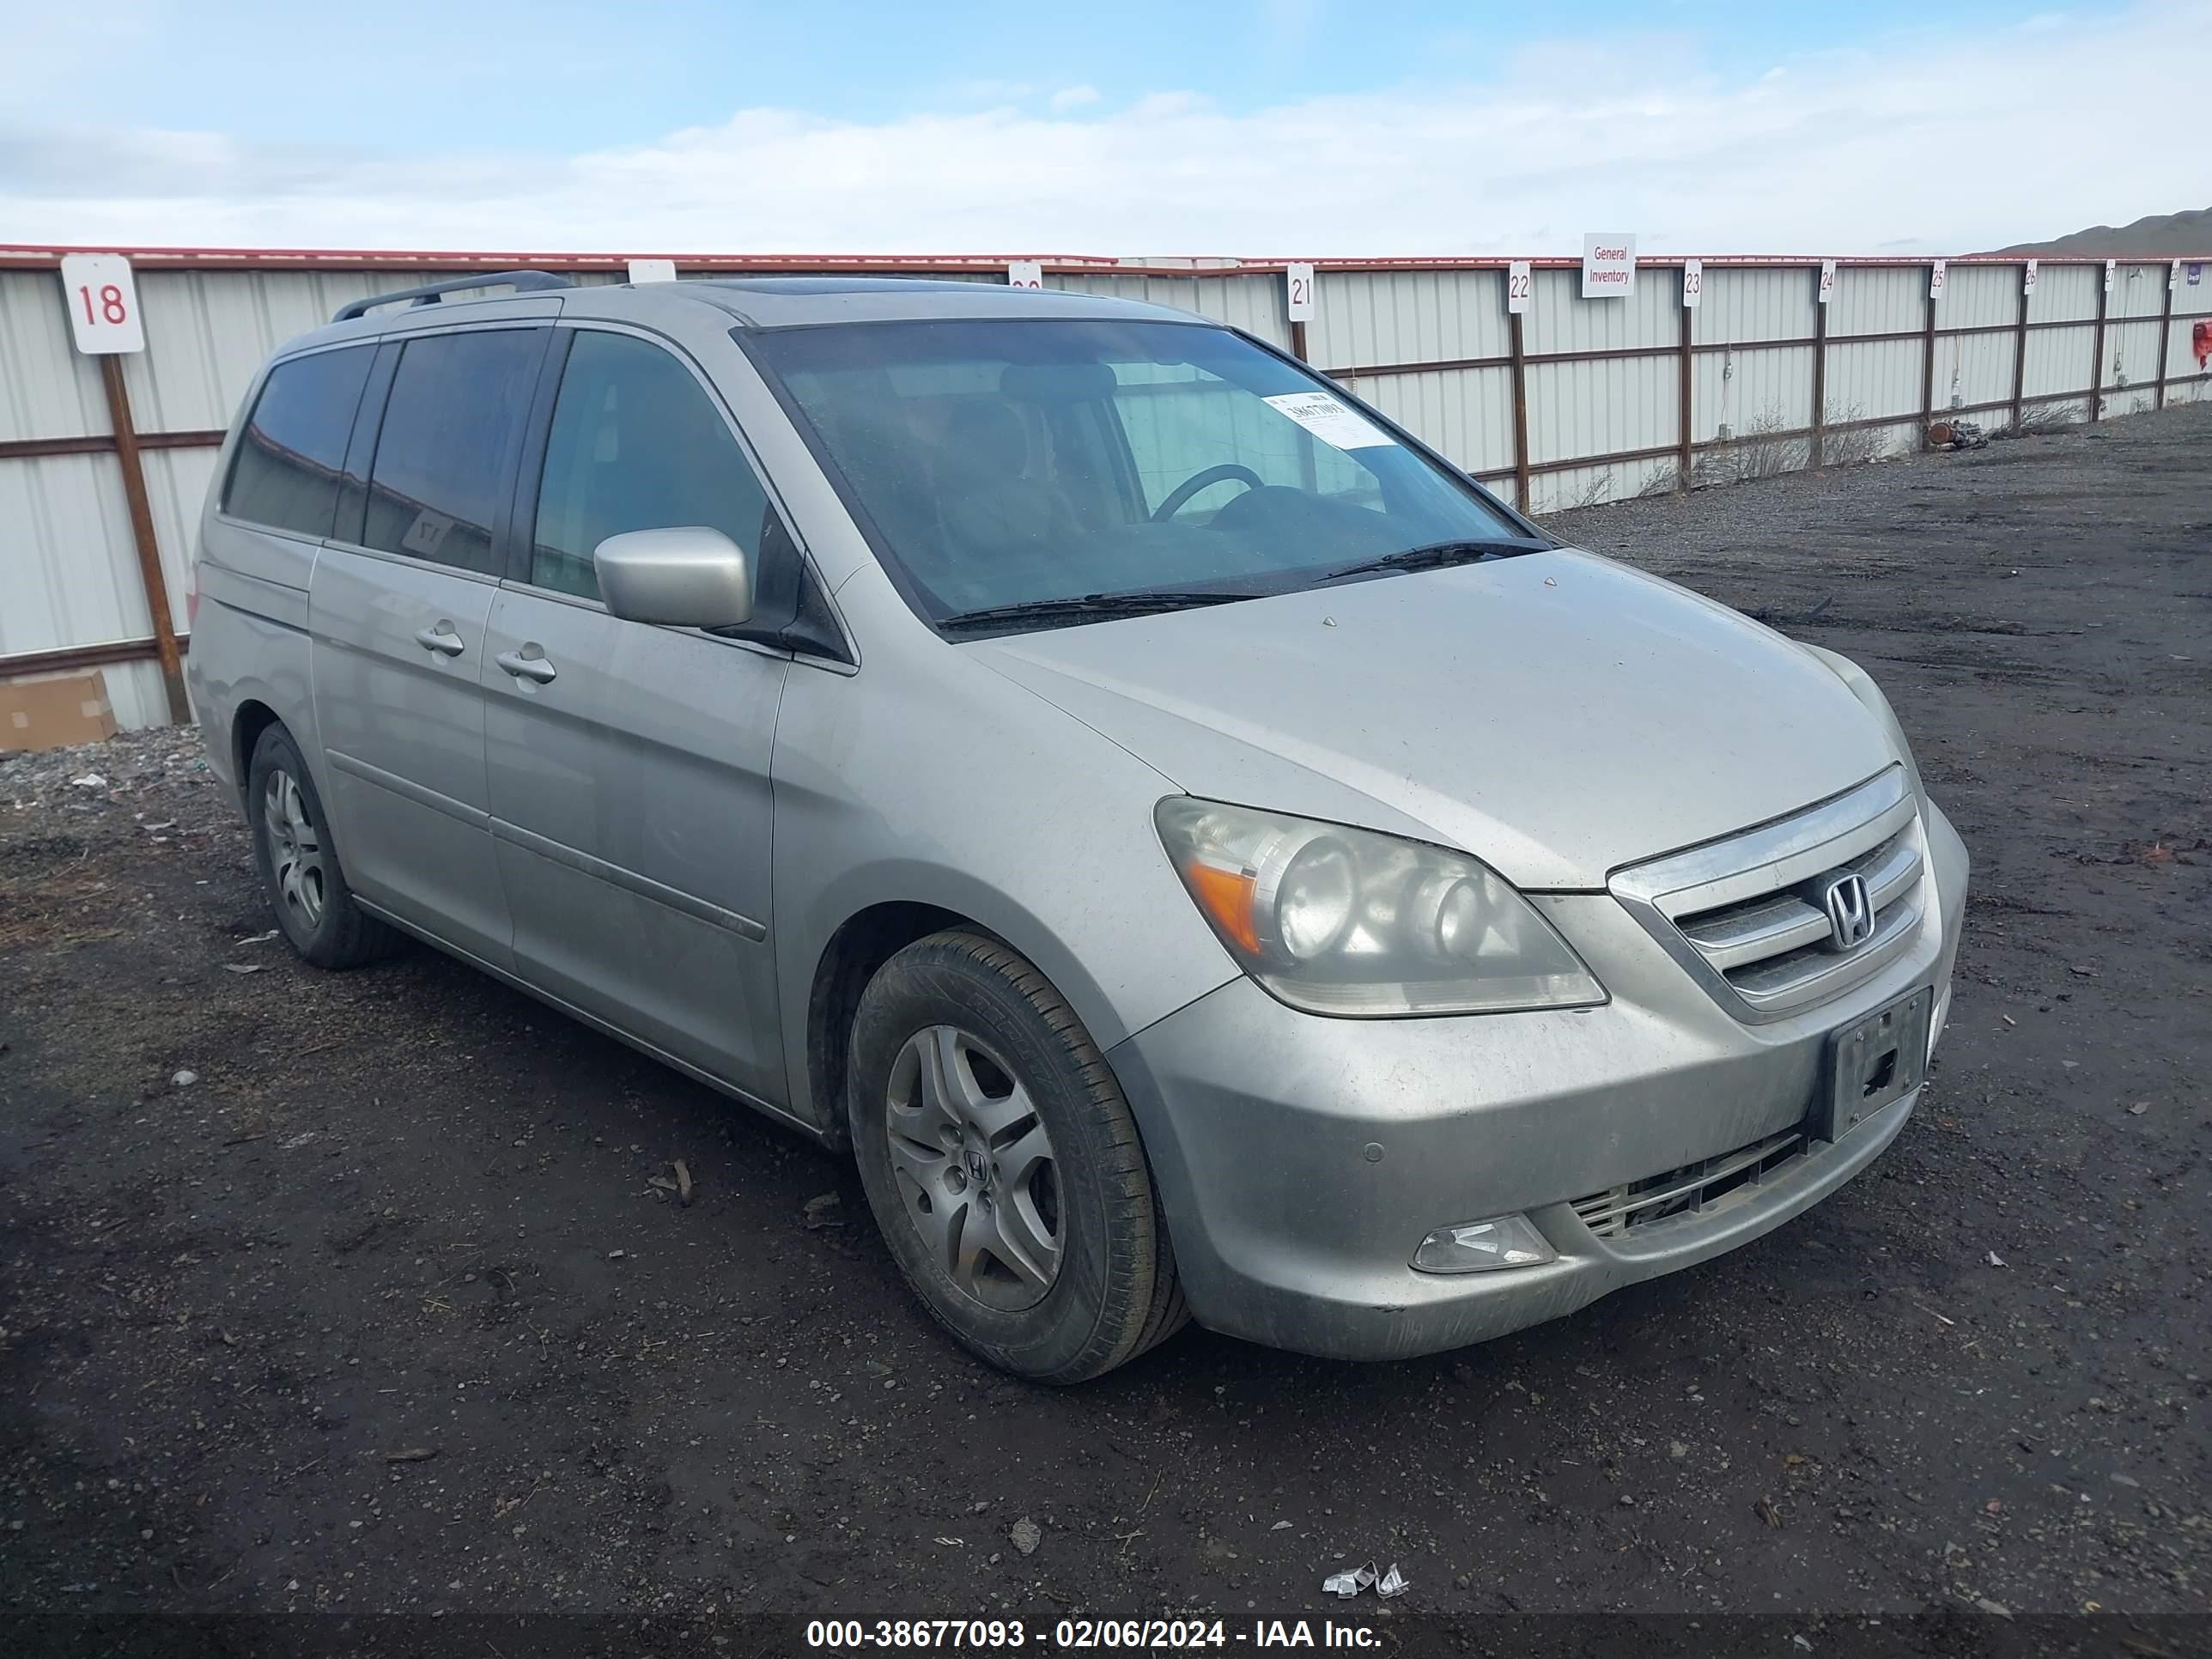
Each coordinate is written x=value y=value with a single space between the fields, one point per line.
x=1301 y=1160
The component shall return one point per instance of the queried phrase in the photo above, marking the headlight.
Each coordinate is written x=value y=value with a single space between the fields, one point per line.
x=1338 y=920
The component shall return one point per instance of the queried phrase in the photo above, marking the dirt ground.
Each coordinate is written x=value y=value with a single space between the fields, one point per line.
x=379 y=1311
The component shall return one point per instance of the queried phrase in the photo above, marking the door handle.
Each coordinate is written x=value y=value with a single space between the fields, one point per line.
x=440 y=638
x=525 y=668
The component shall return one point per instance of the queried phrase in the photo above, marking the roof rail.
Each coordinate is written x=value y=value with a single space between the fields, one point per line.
x=522 y=281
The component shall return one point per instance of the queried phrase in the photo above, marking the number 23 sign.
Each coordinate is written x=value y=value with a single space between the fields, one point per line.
x=103 y=303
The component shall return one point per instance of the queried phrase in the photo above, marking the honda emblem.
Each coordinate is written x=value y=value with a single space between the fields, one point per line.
x=1849 y=910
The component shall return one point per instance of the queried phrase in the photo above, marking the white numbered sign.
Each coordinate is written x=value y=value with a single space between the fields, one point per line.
x=1937 y=270
x=1693 y=281
x=2111 y=267
x=651 y=270
x=2027 y=277
x=1827 y=281
x=1024 y=273
x=103 y=303
x=1517 y=286
x=1298 y=292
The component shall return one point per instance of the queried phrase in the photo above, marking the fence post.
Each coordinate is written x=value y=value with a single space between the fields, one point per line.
x=1687 y=460
x=2165 y=334
x=1820 y=369
x=2020 y=351
x=1298 y=342
x=1519 y=412
x=142 y=533
x=2097 y=374
x=1927 y=361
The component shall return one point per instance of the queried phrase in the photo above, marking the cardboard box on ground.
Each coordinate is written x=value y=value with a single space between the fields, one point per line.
x=55 y=711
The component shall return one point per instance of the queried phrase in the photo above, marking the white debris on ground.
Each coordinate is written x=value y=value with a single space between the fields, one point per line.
x=128 y=769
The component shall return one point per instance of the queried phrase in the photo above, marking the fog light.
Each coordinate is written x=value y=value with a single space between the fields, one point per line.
x=1482 y=1246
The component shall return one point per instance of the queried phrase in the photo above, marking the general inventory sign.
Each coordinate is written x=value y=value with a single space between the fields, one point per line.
x=103 y=303
x=1608 y=265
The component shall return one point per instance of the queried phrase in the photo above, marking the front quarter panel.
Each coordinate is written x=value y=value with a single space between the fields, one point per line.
x=927 y=778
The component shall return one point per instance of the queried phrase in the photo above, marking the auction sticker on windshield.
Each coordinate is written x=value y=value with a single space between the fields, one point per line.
x=1330 y=420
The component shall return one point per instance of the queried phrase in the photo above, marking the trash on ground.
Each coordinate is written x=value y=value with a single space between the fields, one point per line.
x=1995 y=1260
x=90 y=781
x=1025 y=1535
x=1393 y=1583
x=241 y=967
x=185 y=1079
x=411 y=1455
x=683 y=1182
x=822 y=1211
x=1348 y=1584
x=1957 y=434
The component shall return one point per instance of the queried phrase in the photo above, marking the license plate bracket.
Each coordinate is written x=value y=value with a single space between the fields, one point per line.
x=1874 y=1062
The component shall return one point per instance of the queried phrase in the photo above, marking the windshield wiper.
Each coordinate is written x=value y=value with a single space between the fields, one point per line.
x=1436 y=556
x=1138 y=603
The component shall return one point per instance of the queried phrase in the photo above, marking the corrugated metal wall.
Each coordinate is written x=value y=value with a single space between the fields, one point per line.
x=1430 y=344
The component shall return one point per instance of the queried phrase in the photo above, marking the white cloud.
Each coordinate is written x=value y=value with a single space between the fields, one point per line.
x=1068 y=98
x=1952 y=145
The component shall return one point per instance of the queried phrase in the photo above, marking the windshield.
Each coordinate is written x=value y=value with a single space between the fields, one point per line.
x=1053 y=464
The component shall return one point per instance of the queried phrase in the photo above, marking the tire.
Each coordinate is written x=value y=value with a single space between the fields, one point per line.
x=1049 y=1261
x=299 y=861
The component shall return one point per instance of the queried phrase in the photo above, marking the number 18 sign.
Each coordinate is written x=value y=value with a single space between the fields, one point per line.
x=103 y=303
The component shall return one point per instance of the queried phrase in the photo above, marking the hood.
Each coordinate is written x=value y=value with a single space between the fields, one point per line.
x=1558 y=716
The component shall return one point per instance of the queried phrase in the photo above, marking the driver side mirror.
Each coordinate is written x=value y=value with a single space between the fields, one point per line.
x=686 y=577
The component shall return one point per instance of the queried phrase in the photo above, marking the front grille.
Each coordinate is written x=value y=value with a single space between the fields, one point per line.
x=1686 y=1191
x=1745 y=914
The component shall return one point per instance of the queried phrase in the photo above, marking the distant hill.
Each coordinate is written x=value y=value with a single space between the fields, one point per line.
x=2157 y=233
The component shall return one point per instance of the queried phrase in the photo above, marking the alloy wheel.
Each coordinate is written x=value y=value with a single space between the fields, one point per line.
x=295 y=849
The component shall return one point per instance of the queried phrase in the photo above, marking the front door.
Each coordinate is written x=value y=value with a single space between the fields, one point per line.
x=628 y=763
x=397 y=607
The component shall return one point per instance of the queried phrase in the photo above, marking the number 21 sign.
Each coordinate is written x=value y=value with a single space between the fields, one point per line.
x=103 y=303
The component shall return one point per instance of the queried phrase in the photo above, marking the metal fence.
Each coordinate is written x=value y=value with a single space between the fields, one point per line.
x=1569 y=403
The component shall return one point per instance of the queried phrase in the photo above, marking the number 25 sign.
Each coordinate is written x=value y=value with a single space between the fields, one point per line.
x=103 y=303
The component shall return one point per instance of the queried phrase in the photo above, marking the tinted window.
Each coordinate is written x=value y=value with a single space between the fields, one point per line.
x=446 y=449
x=286 y=473
x=636 y=444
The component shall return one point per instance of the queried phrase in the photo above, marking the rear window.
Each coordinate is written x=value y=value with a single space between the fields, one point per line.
x=286 y=472
x=445 y=453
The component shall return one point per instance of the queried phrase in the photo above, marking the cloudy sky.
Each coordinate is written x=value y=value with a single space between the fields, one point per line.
x=1254 y=127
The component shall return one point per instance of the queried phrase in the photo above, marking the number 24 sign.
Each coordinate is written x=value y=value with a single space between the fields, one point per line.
x=103 y=303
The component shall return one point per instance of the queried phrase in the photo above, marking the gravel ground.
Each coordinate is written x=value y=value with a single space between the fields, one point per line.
x=353 y=1292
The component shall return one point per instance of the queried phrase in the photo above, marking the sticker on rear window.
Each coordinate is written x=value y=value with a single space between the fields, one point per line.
x=1330 y=420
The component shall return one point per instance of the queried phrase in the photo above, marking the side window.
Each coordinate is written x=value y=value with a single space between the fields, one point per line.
x=1175 y=417
x=636 y=444
x=286 y=471
x=447 y=446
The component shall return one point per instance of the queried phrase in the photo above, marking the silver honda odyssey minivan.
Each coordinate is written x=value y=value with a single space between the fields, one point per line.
x=1199 y=854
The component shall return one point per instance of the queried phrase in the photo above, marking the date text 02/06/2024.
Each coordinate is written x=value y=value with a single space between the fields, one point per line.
x=1077 y=1634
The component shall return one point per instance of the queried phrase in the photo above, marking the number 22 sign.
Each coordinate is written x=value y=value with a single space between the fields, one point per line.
x=103 y=303
x=1517 y=283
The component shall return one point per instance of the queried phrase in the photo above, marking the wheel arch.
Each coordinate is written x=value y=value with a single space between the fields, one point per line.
x=247 y=722
x=874 y=912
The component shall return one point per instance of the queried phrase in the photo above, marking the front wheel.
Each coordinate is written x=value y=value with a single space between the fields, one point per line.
x=1003 y=1165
